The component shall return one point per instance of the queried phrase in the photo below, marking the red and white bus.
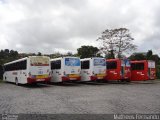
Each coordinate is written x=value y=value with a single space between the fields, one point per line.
x=118 y=69
x=65 y=69
x=28 y=70
x=143 y=70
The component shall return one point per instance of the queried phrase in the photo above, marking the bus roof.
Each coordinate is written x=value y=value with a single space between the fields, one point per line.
x=63 y=58
x=141 y=61
x=116 y=59
x=92 y=58
x=15 y=61
x=25 y=58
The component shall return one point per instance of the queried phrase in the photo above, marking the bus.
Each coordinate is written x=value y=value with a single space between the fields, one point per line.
x=118 y=69
x=65 y=69
x=143 y=70
x=28 y=70
x=93 y=69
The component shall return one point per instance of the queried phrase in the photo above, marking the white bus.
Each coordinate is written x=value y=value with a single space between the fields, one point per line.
x=93 y=69
x=28 y=70
x=65 y=69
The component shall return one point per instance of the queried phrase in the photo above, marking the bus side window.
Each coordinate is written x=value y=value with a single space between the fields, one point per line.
x=81 y=64
x=85 y=64
x=58 y=64
x=23 y=65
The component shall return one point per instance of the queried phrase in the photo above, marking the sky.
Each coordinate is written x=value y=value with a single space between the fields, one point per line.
x=50 y=26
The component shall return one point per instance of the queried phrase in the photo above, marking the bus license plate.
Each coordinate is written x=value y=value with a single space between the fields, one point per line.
x=100 y=75
x=40 y=80
x=73 y=75
x=41 y=76
x=72 y=78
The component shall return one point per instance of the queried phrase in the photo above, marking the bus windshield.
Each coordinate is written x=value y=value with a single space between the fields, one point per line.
x=112 y=65
x=39 y=61
x=137 y=66
x=99 y=62
x=72 y=62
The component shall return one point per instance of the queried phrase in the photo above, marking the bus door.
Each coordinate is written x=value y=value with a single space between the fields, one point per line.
x=85 y=70
x=56 y=70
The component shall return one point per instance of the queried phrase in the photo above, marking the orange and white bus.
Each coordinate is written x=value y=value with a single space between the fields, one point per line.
x=28 y=70
x=93 y=69
x=65 y=69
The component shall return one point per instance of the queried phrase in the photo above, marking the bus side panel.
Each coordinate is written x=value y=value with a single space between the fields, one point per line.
x=8 y=76
x=152 y=73
x=85 y=73
x=56 y=75
x=151 y=70
x=23 y=78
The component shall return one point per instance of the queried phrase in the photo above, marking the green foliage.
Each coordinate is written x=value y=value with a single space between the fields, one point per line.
x=149 y=55
x=39 y=54
x=88 y=51
x=137 y=56
x=7 y=56
x=110 y=55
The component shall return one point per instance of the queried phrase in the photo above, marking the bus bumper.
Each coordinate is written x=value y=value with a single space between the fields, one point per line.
x=93 y=78
x=64 y=78
x=34 y=80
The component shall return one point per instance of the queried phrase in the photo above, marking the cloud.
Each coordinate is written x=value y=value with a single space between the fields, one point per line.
x=64 y=25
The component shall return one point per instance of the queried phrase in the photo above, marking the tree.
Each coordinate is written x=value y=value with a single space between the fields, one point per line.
x=116 y=41
x=39 y=54
x=110 y=55
x=137 y=56
x=149 y=55
x=88 y=51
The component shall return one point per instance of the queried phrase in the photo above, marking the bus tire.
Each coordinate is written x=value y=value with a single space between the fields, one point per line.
x=5 y=78
x=16 y=81
x=128 y=81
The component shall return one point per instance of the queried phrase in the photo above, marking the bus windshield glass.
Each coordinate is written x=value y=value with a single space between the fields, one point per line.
x=39 y=61
x=72 y=62
x=112 y=65
x=99 y=62
x=137 y=66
